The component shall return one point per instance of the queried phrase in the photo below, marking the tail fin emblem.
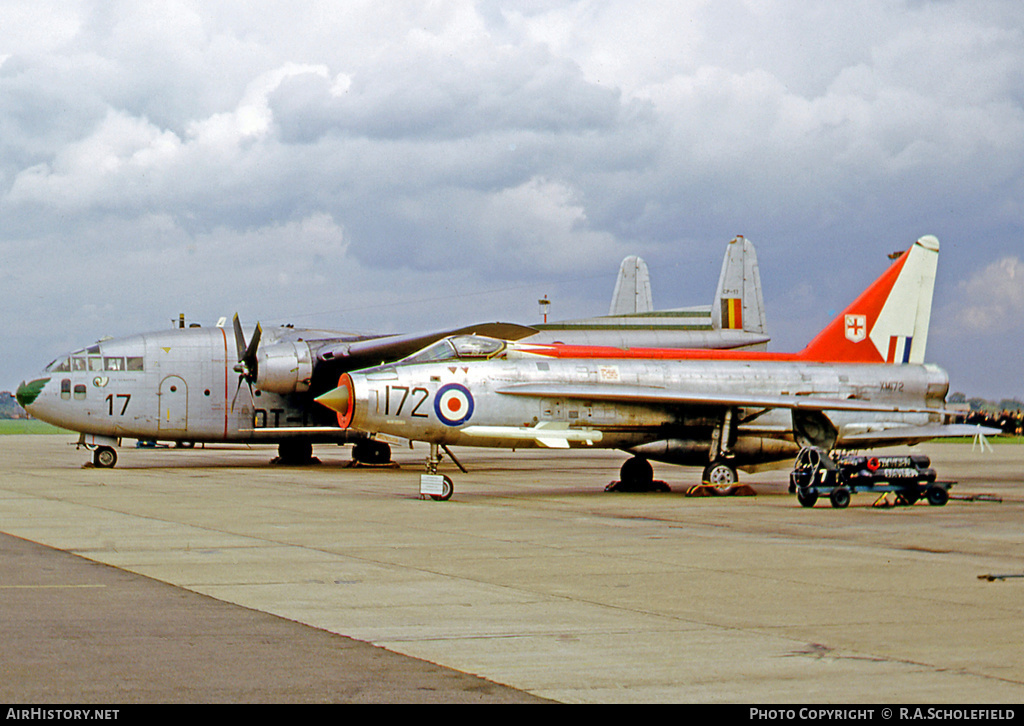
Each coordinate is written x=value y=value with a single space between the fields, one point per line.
x=856 y=328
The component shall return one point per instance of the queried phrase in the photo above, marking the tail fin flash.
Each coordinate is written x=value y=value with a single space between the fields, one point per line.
x=738 y=302
x=632 y=289
x=888 y=323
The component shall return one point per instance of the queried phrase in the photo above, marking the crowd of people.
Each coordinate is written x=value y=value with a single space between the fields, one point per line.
x=1009 y=422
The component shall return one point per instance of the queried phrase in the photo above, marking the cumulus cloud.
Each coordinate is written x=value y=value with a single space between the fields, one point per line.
x=992 y=299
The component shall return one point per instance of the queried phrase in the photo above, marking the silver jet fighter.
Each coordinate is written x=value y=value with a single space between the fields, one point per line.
x=860 y=382
x=196 y=384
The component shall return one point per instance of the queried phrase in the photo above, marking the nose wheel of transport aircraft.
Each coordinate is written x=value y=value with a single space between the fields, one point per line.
x=104 y=457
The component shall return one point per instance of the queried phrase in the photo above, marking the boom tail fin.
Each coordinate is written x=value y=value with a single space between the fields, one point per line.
x=632 y=288
x=738 y=303
x=888 y=323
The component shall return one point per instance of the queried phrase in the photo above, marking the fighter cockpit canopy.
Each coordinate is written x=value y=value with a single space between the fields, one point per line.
x=459 y=347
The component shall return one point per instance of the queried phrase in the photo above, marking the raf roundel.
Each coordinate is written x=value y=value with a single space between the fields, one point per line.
x=453 y=404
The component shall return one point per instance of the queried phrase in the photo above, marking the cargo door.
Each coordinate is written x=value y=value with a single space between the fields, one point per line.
x=173 y=402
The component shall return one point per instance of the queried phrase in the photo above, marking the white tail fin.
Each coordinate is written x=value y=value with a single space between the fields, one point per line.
x=888 y=323
x=738 y=302
x=632 y=288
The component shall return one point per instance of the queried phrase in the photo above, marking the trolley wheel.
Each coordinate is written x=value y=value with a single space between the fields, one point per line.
x=840 y=497
x=937 y=496
x=807 y=496
x=446 y=491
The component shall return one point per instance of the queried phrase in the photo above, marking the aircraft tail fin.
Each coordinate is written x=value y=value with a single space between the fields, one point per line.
x=738 y=303
x=632 y=288
x=888 y=323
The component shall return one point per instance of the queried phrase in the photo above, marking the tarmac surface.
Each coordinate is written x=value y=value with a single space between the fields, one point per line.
x=208 y=575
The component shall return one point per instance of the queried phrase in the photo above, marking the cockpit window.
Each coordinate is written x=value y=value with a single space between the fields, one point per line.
x=61 y=365
x=459 y=347
x=81 y=361
x=476 y=346
x=439 y=351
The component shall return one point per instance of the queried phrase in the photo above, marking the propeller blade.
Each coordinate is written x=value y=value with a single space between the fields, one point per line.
x=250 y=352
x=239 y=339
x=247 y=360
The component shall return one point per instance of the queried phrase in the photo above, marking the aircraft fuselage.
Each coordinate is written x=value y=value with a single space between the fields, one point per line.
x=516 y=403
x=174 y=385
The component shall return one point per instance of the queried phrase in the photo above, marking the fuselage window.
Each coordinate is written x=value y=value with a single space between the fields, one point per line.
x=80 y=392
x=65 y=389
x=135 y=363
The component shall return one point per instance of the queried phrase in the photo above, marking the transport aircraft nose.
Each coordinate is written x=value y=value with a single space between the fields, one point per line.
x=28 y=392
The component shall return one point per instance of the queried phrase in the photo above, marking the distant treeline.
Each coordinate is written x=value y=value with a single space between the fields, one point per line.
x=1006 y=405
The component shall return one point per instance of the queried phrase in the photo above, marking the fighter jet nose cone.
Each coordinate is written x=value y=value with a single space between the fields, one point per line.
x=336 y=400
x=342 y=399
x=28 y=392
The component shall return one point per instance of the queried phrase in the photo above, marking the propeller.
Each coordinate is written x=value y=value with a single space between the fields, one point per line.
x=247 y=364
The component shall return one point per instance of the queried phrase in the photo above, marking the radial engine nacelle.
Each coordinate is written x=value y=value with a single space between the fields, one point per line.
x=284 y=367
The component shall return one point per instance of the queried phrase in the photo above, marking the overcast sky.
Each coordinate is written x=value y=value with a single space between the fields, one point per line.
x=396 y=166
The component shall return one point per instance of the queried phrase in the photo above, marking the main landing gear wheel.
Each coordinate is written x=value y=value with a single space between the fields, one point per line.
x=104 y=457
x=371 y=451
x=297 y=452
x=720 y=474
x=637 y=475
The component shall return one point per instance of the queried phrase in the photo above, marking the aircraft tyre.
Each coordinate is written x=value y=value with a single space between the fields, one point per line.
x=446 y=491
x=636 y=474
x=937 y=496
x=104 y=457
x=720 y=474
x=295 y=451
x=371 y=451
x=840 y=497
x=807 y=496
